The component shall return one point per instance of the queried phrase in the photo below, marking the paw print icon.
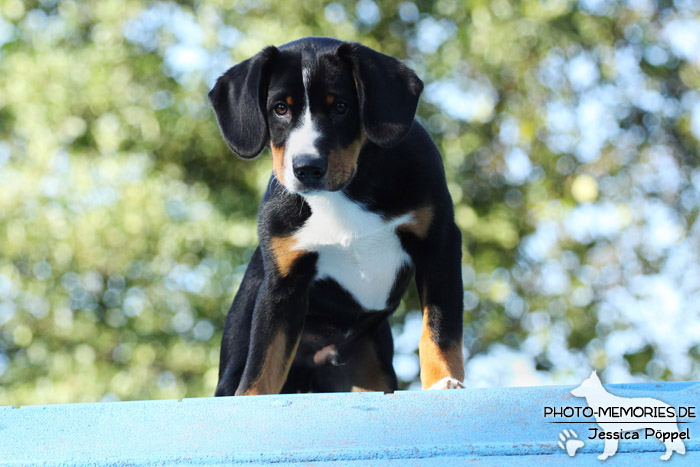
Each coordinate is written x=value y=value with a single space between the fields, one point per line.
x=569 y=442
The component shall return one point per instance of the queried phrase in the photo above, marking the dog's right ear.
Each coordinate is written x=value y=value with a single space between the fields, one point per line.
x=238 y=99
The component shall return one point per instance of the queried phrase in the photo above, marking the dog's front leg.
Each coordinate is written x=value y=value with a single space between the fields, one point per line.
x=275 y=332
x=439 y=280
x=278 y=319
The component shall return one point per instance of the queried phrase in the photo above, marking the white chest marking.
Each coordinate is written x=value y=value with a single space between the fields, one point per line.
x=356 y=248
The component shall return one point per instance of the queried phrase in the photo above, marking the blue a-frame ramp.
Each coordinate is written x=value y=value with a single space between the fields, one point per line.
x=492 y=427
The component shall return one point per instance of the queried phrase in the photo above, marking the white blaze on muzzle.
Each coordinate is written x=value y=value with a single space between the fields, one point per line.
x=301 y=140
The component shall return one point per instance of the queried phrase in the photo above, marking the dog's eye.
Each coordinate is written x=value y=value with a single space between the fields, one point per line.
x=281 y=109
x=340 y=108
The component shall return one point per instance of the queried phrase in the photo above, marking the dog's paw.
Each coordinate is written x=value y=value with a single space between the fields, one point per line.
x=447 y=383
x=569 y=443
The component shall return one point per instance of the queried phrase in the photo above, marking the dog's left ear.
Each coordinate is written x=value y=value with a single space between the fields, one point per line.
x=387 y=91
x=238 y=99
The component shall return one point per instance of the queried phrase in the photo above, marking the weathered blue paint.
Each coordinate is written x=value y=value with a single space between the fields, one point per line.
x=493 y=427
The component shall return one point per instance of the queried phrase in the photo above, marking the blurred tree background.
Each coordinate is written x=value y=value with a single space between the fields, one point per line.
x=569 y=132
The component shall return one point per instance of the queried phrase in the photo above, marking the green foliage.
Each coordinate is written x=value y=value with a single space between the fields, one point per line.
x=568 y=131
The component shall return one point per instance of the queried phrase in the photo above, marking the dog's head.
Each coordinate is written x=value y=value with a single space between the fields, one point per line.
x=315 y=101
x=588 y=387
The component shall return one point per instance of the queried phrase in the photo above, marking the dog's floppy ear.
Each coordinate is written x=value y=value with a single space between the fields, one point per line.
x=387 y=91
x=238 y=98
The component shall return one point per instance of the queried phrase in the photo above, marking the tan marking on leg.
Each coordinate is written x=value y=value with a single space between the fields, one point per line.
x=278 y=162
x=366 y=372
x=420 y=224
x=289 y=100
x=275 y=367
x=284 y=253
x=330 y=98
x=437 y=363
x=342 y=164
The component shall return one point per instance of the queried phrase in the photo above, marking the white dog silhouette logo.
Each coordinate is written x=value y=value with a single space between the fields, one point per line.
x=606 y=405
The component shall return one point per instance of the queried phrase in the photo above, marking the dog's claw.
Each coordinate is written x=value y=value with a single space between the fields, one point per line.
x=447 y=383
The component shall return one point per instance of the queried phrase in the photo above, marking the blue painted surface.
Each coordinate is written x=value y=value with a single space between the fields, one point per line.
x=493 y=427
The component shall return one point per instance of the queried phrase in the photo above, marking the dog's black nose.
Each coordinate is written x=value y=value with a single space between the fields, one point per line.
x=309 y=169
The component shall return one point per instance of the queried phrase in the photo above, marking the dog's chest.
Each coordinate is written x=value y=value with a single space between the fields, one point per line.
x=356 y=248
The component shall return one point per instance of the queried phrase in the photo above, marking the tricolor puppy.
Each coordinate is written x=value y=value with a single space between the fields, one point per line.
x=356 y=206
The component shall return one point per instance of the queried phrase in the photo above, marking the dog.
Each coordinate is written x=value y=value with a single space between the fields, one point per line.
x=357 y=205
x=601 y=400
